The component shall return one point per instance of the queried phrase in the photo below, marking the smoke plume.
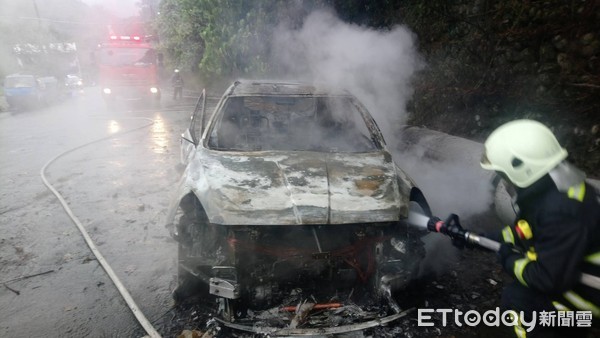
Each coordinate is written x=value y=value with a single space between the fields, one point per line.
x=375 y=65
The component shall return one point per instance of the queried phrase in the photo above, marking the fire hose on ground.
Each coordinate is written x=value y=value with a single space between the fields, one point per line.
x=150 y=330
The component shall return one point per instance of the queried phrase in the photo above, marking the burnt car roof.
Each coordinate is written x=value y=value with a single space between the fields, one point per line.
x=276 y=87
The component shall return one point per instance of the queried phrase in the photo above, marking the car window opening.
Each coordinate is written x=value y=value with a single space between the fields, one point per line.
x=271 y=123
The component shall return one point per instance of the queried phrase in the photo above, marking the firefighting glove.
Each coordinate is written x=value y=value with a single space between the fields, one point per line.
x=505 y=252
x=455 y=230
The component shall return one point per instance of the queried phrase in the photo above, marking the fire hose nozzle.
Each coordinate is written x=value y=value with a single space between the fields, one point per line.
x=435 y=224
x=450 y=227
x=460 y=237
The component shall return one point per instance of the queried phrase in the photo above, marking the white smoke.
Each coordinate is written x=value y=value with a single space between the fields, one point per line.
x=447 y=170
x=375 y=65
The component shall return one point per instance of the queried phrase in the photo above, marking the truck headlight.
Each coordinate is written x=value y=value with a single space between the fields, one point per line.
x=153 y=90
x=107 y=91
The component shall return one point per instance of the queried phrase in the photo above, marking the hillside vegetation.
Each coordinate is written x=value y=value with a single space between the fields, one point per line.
x=491 y=62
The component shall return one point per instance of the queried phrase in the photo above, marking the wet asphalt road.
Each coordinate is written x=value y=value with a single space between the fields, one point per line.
x=119 y=188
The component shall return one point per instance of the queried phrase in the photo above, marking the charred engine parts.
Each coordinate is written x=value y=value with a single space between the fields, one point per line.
x=224 y=283
x=264 y=266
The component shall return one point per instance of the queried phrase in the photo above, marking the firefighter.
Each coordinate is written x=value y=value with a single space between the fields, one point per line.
x=177 y=83
x=553 y=248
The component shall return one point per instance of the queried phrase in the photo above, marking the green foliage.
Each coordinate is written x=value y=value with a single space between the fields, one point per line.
x=232 y=37
x=219 y=38
x=179 y=31
x=224 y=38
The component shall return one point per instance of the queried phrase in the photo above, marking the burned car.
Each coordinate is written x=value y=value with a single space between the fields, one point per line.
x=291 y=212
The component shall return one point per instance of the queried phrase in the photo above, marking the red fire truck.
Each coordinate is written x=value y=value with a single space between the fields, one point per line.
x=128 y=69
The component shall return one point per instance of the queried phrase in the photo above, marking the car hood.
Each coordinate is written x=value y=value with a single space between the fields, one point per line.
x=268 y=188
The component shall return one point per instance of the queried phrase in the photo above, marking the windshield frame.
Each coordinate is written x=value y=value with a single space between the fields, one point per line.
x=370 y=132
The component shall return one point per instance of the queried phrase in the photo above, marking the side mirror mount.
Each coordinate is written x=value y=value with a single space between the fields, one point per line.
x=186 y=148
x=184 y=138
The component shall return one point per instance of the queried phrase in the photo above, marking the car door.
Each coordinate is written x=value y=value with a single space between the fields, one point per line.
x=190 y=139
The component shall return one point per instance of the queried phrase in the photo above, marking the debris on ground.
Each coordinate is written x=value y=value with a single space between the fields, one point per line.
x=17 y=292
x=27 y=276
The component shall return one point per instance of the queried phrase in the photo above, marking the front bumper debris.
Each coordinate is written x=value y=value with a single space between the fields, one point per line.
x=290 y=332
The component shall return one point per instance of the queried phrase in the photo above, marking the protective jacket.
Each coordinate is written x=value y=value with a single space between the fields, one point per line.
x=559 y=235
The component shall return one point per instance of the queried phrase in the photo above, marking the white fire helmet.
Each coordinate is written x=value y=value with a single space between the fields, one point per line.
x=524 y=150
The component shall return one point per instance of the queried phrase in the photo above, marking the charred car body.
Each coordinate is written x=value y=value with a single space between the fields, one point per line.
x=290 y=197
